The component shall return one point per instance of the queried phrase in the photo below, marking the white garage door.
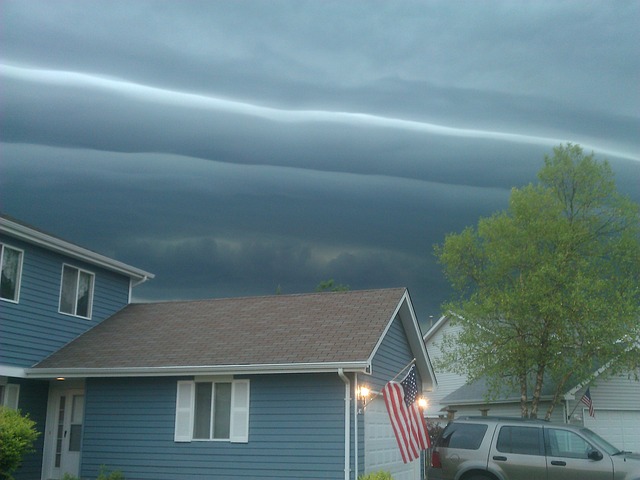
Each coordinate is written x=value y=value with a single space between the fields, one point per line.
x=381 y=449
x=621 y=428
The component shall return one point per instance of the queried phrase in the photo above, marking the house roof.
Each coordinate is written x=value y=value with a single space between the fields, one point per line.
x=17 y=229
x=305 y=332
x=475 y=393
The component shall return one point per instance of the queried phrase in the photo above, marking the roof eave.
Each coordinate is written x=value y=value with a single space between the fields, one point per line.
x=172 y=371
x=58 y=245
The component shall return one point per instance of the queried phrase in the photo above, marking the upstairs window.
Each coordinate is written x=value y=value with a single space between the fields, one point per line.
x=11 y=267
x=76 y=292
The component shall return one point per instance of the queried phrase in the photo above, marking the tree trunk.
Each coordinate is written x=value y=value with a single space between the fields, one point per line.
x=556 y=396
x=524 y=408
x=537 y=391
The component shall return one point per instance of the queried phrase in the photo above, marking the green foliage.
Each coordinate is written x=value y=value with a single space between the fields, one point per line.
x=115 y=475
x=17 y=434
x=379 y=475
x=549 y=288
x=102 y=475
x=331 y=286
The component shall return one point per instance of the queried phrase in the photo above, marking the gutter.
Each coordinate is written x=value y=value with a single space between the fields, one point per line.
x=172 y=371
x=347 y=421
x=58 y=245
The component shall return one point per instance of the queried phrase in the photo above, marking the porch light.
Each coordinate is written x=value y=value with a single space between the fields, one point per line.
x=423 y=403
x=363 y=396
x=60 y=379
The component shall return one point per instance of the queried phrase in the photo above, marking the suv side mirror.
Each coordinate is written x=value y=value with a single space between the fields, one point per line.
x=594 y=455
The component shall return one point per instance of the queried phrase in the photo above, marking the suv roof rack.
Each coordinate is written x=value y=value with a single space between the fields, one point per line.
x=501 y=418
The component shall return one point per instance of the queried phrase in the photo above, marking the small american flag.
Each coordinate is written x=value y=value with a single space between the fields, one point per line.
x=586 y=399
x=409 y=425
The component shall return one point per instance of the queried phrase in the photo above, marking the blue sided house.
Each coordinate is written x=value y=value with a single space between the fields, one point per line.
x=256 y=387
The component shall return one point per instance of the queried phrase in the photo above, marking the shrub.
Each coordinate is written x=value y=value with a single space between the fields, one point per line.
x=17 y=434
x=102 y=475
x=379 y=475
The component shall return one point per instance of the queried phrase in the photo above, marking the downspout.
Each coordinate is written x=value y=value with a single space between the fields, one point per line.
x=355 y=424
x=347 y=421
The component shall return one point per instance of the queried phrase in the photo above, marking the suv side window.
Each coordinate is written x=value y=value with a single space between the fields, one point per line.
x=563 y=443
x=462 y=435
x=521 y=440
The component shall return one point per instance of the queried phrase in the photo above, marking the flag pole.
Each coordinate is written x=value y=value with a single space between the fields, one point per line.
x=408 y=365
x=403 y=369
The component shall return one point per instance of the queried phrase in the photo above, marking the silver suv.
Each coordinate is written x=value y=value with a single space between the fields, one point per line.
x=488 y=448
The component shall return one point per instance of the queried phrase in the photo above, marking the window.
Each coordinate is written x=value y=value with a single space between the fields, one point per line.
x=11 y=267
x=76 y=292
x=9 y=395
x=212 y=410
x=521 y=440
x=463 y=435
x=564 y=443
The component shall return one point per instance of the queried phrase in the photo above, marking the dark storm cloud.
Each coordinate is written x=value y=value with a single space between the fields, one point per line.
x=236 y=147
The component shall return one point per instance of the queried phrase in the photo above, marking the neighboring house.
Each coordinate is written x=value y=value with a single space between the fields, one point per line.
x=263 y=387
x=51 y=291
x=447 y=381
x=616 y=400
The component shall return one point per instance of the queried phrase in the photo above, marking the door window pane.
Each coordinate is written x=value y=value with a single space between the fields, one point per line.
x=563 y=443
x=522 y=440
x=60 y=431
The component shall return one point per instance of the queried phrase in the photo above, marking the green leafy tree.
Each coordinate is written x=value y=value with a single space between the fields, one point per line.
x=331 y=286
x=548 y=290
x=17 y=434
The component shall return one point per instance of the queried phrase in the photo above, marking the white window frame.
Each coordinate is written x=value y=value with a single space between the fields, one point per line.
x=10 y=395
x=239 y=415
x=75 y=302
x=19 y=273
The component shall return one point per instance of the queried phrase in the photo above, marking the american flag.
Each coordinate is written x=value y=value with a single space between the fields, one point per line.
x=409 y=425
x=586 y=399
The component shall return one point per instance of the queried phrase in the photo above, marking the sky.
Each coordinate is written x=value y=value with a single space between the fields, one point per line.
x=253 y=147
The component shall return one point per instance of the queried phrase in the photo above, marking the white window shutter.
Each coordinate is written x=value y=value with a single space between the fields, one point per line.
x=239 y=412
x=11 y=395
x=185 y=399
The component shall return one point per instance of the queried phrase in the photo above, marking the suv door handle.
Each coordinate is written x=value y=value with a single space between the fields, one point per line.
x=559 y=463
x=500 y=458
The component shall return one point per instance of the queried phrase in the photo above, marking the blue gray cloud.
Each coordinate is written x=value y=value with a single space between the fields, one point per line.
x=233 y=148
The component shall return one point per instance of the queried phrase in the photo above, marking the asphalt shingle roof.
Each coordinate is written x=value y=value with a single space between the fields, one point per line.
x=280 y=329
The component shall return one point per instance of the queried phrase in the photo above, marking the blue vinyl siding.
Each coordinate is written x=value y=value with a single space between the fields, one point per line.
x=32 y=329
x=33 y=402
x=296 y=430
x=392 y=356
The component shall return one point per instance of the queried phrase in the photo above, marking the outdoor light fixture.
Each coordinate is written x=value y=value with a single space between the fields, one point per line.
x=363 y=396
x=423 y=402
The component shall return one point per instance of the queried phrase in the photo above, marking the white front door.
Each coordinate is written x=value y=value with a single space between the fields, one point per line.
x=63 y=432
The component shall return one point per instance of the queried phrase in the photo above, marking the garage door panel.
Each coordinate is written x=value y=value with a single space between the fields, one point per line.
x=381 y=448
x=620 y=427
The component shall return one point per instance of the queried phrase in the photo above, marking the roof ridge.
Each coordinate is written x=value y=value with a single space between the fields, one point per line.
x=265 y=296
